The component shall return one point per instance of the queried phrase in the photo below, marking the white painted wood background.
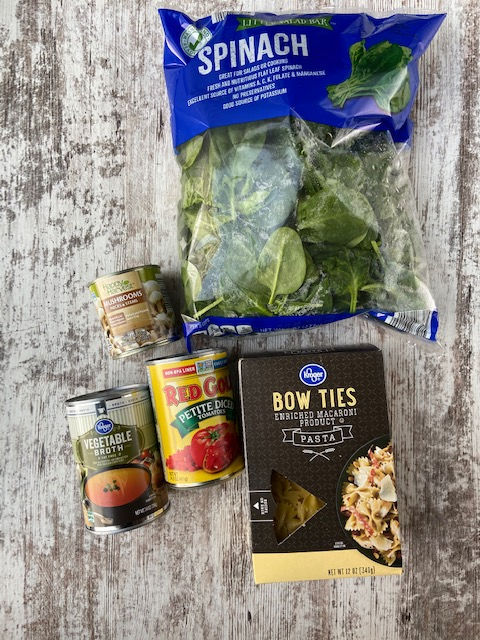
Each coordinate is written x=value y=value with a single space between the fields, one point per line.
x=88 y=185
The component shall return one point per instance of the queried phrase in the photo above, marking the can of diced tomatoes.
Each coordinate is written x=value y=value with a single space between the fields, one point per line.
x=195 y=415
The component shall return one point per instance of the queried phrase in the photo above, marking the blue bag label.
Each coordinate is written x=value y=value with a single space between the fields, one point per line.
x=245 y=68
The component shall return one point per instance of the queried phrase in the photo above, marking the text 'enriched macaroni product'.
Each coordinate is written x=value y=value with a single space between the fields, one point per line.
x=323 y=497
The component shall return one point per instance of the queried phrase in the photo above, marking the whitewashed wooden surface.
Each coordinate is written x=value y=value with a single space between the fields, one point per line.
x=88 y=185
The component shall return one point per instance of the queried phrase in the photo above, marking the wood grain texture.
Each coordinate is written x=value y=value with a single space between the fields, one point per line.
x=88 y=185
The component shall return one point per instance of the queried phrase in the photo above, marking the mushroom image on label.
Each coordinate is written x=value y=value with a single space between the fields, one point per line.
x=294 y=506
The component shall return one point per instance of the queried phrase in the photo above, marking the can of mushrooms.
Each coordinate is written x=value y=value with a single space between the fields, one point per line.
x=134 y=310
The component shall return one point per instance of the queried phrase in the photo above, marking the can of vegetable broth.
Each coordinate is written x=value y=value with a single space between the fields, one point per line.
x=134 y=310
x=117 y=456
x=195 y=415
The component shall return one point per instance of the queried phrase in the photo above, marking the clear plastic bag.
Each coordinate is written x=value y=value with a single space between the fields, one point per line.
x=286 y=217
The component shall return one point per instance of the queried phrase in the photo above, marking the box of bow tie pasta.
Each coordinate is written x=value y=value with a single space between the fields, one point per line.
x=323 y=494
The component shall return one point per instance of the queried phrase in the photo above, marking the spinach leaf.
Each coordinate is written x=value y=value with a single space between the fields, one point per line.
x=380 y=71
x=224 y=143
x=402 y=97
x=244 y=247
x=356 y=52
x=314 y=296
x=335 y=215
x=348 y=272
x=192 y=283
x=245 y=302
x=189 y=151
x=258 y=174
x=281 y=265
x=196 y=183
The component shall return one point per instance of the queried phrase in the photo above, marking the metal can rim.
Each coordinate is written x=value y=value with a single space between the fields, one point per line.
x=161 y=342
x=206 y=483
x=109 y=394
x=118 y=273
x=189 y=356
x=119 y=528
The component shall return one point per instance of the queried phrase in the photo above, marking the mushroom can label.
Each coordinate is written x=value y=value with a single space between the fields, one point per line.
x=118 y=461
x=195 y=415
x=134 y=310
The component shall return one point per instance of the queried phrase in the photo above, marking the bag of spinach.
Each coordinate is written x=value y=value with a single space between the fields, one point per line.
x=296 y=207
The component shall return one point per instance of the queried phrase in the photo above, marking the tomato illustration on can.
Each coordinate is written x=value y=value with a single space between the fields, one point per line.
x=195 y=416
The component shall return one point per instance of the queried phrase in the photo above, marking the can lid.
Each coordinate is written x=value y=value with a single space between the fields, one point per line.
x=201 y=353
x=106 y=394
x=118 y=273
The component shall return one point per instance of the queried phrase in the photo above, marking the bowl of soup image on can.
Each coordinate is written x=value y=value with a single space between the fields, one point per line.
x=194 y=407
x=117 y=493
x=117 y=457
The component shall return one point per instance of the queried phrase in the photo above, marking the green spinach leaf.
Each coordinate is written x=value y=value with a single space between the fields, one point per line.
x=281 y=266
x=348 y=272
x=192 y=283
x=314 y=296
x=380 y=71
x=335 y=215
x=189 y=151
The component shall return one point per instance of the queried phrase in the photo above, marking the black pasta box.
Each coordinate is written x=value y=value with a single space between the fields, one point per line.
x=323 y=501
